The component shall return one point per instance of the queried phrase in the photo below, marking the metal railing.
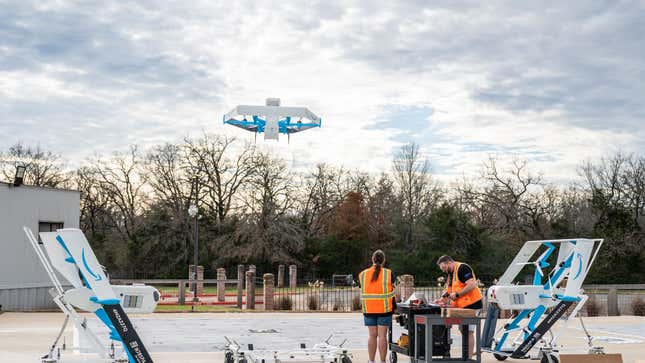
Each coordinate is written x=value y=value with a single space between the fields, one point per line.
x=623 y=299
x=323 y=296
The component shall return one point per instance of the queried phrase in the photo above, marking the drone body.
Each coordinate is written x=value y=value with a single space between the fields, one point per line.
x=272 y=119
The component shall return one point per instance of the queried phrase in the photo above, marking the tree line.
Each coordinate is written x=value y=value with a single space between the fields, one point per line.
x=254 y=208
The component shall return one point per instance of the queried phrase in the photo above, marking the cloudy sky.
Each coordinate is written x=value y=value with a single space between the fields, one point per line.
x=552 y=82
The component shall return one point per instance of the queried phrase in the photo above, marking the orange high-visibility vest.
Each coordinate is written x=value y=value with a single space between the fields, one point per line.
x=456 y=286
x=376 y=295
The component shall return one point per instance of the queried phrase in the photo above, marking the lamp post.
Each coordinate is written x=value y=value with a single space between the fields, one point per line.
x=20 y=175
x=193 y=211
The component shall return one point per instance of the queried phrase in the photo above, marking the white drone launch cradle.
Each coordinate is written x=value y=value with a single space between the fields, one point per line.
x=543 y=303
x=320 y=353
x=68 y=252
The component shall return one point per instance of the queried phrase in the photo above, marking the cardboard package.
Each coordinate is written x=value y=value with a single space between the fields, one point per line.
x=591 y=358
x=458 y=313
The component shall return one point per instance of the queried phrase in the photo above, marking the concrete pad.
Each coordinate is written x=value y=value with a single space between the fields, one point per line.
x=199 y=337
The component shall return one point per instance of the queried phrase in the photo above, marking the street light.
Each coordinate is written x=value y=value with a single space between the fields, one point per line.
x=193 y=211
x=20 y=175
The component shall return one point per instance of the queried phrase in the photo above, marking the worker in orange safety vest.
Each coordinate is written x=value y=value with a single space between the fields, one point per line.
x=378 y=302
x=461 y=291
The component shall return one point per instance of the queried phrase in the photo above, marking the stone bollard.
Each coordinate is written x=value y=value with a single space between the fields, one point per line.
x=182 y=292
x=293 y=276
x=280 y=276
x=268 y=291
x=253 y=268
x=240 y=285
x=250 y=290
x=221 y=285
x=200 y=277
x=407 y=286
x=612 y=302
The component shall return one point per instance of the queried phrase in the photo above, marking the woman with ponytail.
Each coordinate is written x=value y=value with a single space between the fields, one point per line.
x=377 y=297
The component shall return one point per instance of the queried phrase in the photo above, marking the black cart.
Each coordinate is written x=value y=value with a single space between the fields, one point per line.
x=406 y=318
x=432 y=322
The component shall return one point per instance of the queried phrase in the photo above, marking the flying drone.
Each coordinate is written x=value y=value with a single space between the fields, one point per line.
x=272 y=119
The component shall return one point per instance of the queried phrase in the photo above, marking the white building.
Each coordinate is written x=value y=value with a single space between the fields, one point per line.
x=24 y=285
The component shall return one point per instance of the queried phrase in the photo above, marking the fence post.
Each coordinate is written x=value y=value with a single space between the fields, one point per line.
x=221 y=285
x=612 y=302
x=293 y=276
x=407 y=286
x=253 y=268
x=280 y=276
x=250 y=290
x=268 y=291
x=182 y=292
x=240 y=285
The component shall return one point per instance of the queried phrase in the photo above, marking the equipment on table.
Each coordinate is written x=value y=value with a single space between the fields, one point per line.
x=68 y=252
x=540 y=305
x=405 y=316
x=416 y=299
x=320 y=353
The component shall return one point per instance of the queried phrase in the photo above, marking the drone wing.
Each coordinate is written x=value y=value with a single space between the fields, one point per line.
x=257 y=125
x=246 y=125
x=293 y=128
x=289 y=127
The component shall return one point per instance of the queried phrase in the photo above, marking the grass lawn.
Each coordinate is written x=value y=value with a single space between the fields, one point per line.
x=258 y=290
x=198 y=308
x=207 y=290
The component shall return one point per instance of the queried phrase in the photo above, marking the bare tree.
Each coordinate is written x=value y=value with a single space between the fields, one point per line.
x=323 y=190
x=633 y=180
x=412 y=177
x=508 y=202
x=269 y=230
x=605 y=177
x=94 y=203
x=168 y=177
x=43 y=168
x=222 y=171
x=122 y=184
x=615 y=190
x=574 y=212
x=617 y=181
x=384 y=212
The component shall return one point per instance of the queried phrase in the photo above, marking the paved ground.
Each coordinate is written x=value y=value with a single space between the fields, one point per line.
x=194 y=338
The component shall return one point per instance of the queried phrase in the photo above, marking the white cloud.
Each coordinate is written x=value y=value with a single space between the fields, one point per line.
x=550 y=82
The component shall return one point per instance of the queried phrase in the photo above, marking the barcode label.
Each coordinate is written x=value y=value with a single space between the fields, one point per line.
x=517 y=299
x=132 y=301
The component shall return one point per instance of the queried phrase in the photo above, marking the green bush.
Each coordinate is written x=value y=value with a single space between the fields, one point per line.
x=592 y=307
x=284 y=303
x=313 y=302
x=638 y=306
x=356 y=303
